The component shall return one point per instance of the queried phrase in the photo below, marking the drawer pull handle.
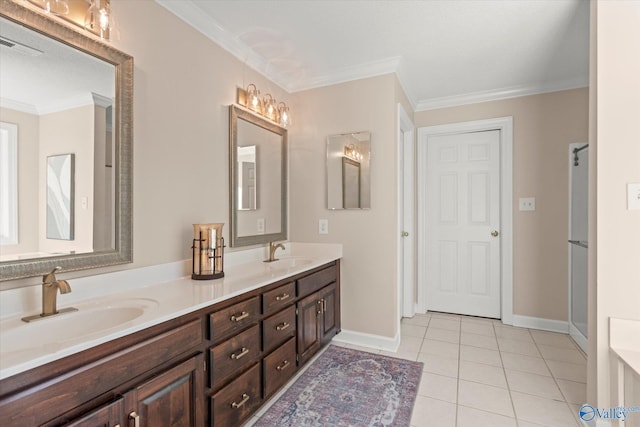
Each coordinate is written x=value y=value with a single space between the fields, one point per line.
x=239 y=317
x=136 y=418
x=282 y=366
x=282 y=297
x=282 y=326
x=243 y=352
x=324 y=305
x=245 y=399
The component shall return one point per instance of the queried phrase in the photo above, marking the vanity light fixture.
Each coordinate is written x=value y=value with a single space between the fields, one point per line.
x=270 y=108
x=98 y=18
x=55 y=7
x=253 y=99
x=267 y=106
x=352 y=152
x=285 y=116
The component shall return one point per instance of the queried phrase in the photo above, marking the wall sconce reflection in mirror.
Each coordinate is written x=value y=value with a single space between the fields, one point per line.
x=60 y=196
x=348 y=171
x=267 y=107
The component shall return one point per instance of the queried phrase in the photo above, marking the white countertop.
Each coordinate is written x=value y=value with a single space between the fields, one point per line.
x=153 y=290
x=624 y=340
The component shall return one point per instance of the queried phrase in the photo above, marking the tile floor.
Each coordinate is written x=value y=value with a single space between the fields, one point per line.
x=480 y=373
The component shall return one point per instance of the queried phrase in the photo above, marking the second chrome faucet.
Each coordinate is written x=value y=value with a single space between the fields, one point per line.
x=273 y=246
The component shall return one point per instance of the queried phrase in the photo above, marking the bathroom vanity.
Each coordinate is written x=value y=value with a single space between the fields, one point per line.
x=214 y=363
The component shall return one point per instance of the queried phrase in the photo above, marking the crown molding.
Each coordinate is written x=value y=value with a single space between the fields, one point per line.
x=503 y=93
x=11 y=104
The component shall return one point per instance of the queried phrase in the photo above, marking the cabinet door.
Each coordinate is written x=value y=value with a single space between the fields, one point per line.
x=111 y=415
x=172 y=399
x=329 y=324
x=309 y=310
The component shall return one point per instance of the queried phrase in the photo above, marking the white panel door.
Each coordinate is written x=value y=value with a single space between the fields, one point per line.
x=463 y=220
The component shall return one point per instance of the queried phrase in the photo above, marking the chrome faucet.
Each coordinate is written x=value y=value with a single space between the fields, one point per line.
x=50 y=287
x=272 y=251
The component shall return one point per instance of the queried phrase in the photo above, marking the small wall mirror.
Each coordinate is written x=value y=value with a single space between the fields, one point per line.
x=66 y=102
x=348 y=171
x=258 y=186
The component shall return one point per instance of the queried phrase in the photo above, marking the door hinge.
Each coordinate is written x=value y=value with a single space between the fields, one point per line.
x=296 y=311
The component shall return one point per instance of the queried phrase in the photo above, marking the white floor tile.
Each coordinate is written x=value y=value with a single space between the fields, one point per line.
x=547 y=412
x=428 y=412
x=470 y=417
x=568 y=371
x=484 y=328
x=561 y=354
x=475 y=340
x=518 y=347
x=573 y=392
x=480 y=355
x=410 y=344
x=553 y=339
x=418 y=319
x=408 y=330
x=513 y=333
x=485 y=397
x=443 y=323
x=443 y=335
x=480 y=373
x=438 y=387
x=440 y=348
x=538 y=385
x=439 y=365
x=520 y=362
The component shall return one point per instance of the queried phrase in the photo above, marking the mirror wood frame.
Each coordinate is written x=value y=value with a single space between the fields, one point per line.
x=238 y=113
x=123 y=133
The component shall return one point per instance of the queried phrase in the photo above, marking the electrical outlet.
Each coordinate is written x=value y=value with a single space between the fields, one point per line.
x=84 y=201
x=260 y=226
x=527 y=203
x=633 y=196
x=323 y=226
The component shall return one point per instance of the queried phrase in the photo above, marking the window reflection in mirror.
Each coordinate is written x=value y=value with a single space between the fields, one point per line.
x=247 y=182
x=348 y=171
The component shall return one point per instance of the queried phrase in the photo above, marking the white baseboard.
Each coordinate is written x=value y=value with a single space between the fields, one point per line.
x=377 y=342
x=541 y=323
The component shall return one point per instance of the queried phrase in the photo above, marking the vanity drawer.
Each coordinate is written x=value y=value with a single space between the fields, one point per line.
x=279 y=366
x=313 y=282
x=277 y=298
x=237 y=401
x=278 y=328
x=234 y=354
x=233 y=319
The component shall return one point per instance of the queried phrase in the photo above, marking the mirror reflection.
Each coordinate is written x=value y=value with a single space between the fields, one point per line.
x=258 y=179
x=348 y=171
x=62 y=93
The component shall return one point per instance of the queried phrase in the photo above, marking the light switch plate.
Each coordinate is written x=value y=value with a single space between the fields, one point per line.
x=323 y=226
x=260 y=226
x=527 y=203
x=633 y=196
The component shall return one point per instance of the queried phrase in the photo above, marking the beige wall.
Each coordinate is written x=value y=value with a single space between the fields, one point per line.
x=543 y=127
x=64 y=132
x=616 y=136
x=368 y=236
x=27 y=180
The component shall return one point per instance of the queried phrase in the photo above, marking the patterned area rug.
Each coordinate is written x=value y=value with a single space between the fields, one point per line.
x=345 y=387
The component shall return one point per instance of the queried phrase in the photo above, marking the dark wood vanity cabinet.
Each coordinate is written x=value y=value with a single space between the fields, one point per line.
x=212 y=367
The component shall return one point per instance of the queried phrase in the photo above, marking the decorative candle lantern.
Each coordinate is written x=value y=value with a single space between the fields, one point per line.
x=208 y=252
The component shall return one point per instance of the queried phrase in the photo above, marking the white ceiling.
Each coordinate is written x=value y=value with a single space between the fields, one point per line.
x=445 y=52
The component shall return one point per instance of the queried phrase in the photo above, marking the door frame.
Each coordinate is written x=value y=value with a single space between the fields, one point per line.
x=505 y=126
x=405 y=209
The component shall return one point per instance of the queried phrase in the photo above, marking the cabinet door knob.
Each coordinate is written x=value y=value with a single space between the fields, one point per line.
x=243 y=352
x=282 y=297
x=239 y=317
x=136 y=418
x=282 y=326
x=283 y=365
x=245 y=399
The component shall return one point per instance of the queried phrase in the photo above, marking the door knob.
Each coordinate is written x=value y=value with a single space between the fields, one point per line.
x=494 y=233
x=404 y=234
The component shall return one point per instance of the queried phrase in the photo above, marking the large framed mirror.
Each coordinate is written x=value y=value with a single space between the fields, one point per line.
x=63 y=92
x=348 y=171
x=258 y=182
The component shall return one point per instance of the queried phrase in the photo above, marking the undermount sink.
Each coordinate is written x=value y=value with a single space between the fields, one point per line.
x=287 y=263
x=54 y=332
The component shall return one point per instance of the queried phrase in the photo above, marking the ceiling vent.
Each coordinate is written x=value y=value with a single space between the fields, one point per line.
x=19 y=47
